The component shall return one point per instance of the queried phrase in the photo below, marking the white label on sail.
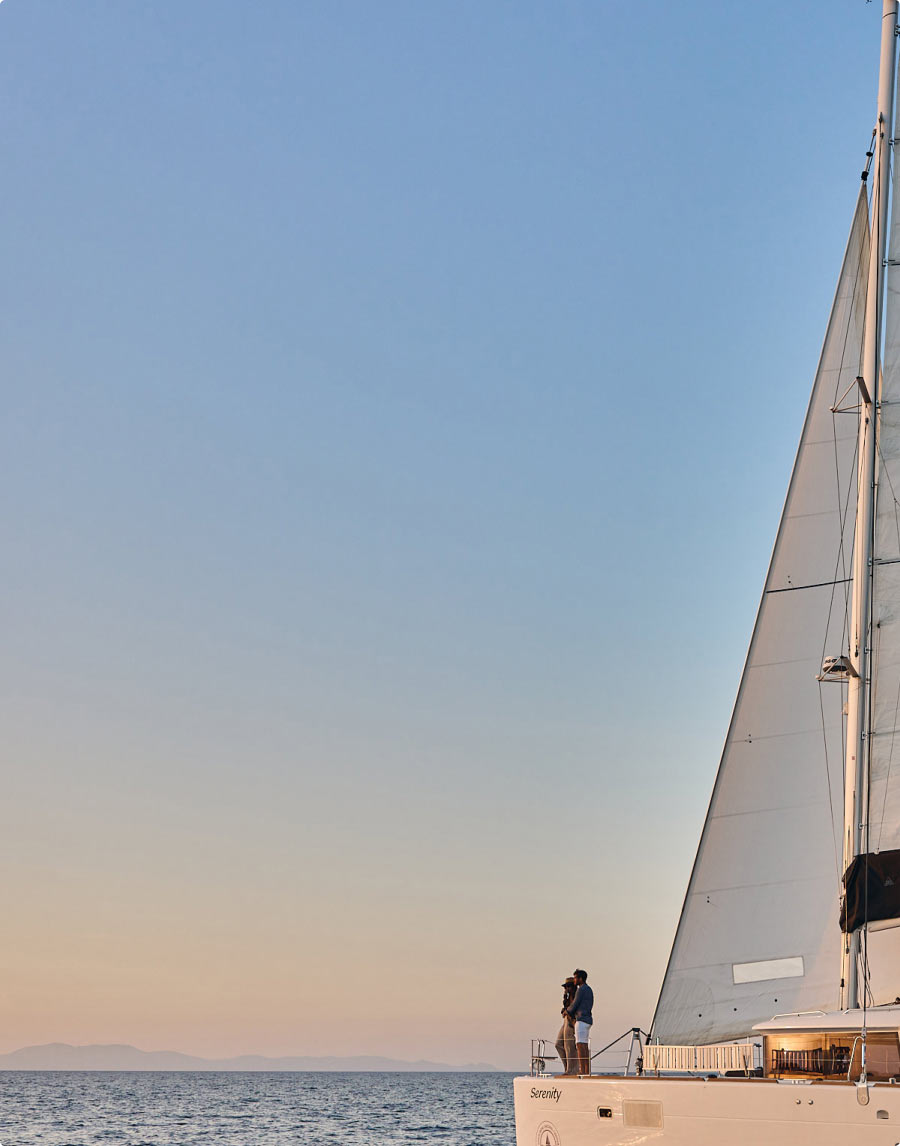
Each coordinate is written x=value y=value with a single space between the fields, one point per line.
x=768 y=969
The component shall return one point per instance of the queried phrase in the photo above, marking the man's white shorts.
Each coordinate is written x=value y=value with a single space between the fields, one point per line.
x=583 y=1033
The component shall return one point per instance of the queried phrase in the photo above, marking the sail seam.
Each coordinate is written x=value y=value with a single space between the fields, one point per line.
x=766 y=812
x=773 y=736
x=845 y=437
x=815 y=585
x=814 y=513
x=813 y=660
x=769 y=883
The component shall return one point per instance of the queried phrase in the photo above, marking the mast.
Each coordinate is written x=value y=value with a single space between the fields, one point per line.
x=856 y=770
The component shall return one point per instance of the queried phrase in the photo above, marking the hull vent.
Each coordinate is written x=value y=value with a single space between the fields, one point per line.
x=647 y=1115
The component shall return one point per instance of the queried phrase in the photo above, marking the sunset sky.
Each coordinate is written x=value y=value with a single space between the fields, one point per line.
x=398 y=399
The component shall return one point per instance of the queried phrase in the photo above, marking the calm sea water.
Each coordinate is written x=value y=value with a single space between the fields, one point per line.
x=73 y=1108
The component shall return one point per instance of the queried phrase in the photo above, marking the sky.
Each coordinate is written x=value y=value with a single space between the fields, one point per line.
x=398 y=403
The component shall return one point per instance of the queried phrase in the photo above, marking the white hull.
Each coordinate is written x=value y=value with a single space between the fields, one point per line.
x=698 y=1112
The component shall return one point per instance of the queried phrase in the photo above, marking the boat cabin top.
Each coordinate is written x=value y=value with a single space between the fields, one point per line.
x=876 y=1019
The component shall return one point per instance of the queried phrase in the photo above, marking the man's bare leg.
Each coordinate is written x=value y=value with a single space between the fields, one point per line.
x=584 y=1058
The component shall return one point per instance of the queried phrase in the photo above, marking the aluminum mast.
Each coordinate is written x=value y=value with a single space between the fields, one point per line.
x=856 y=770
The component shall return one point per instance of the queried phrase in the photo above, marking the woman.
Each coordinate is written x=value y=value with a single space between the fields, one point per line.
x=565 y=1040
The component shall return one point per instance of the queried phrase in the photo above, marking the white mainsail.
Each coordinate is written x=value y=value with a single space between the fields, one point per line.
x=759 y=929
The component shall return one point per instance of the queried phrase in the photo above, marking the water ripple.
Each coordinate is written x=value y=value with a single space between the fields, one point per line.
x=78 y=1108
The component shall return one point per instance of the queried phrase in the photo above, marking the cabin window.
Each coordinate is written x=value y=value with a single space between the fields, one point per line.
x=831 y=1054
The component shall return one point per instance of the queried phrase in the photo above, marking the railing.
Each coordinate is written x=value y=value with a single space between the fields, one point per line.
x=719 y=1058
x=542 y=1050
x=541 y=1055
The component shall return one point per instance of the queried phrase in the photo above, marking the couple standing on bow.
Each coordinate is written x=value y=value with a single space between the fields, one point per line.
x=573 y=1043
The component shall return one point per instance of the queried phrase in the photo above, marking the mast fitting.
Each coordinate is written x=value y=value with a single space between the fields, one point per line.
x=837 y=668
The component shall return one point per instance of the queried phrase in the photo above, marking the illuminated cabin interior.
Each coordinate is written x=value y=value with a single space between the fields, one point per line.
x=834 y=1053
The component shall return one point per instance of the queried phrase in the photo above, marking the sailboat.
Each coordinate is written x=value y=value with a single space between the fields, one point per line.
x=778 y=1020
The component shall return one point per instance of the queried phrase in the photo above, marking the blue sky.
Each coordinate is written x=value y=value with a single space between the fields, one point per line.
x=399 y=401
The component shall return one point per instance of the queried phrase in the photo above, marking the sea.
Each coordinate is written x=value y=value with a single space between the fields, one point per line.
x=186 y=1108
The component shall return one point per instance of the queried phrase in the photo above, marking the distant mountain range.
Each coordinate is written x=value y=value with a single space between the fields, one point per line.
x=61 y=1056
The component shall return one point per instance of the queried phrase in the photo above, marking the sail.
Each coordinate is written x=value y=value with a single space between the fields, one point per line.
x=759 y=933
x=884 y=732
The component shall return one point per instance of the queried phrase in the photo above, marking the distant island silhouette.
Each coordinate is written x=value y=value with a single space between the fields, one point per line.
x=114 y=1056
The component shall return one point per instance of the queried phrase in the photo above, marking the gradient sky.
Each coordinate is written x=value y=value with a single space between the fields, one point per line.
x=399 y=399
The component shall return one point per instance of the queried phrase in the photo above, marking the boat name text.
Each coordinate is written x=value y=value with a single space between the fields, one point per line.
x=555 y=1094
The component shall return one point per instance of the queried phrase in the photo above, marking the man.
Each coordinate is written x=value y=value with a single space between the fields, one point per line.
x=581 y=1009
x=565 y=1040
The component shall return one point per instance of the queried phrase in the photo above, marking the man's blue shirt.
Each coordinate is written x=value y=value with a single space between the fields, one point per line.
x=581 y=1006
